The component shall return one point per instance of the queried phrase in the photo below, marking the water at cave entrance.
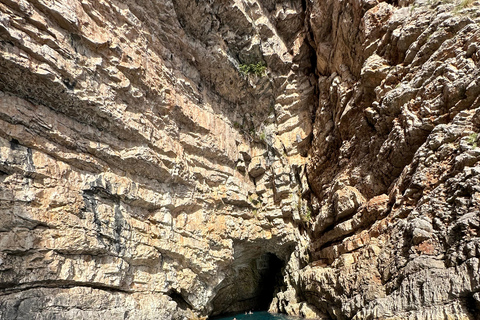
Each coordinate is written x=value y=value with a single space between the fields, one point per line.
x=257 y=315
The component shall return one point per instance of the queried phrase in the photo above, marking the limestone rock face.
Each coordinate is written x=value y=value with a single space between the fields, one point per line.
x=178 y=159
x=394 y=161
x=142 y=174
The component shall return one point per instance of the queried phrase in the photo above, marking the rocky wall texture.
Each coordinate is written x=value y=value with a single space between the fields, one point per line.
x=180 y=159
x=143 y=174
x=394 y=166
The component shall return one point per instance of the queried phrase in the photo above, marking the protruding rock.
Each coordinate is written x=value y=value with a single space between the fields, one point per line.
x=257 y=167
x=347 y=201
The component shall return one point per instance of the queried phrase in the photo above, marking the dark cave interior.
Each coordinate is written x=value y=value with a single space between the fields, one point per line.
x=251 y=286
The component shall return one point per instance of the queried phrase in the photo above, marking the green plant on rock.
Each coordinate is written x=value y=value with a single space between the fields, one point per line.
x=306 y=216
x=257 y=69
x=472 y=139
x=465 y=3
x=262 y=136
x=413 y=7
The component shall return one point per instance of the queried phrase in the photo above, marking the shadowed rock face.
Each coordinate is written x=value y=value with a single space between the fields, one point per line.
x=143 y=175
x=252 y=284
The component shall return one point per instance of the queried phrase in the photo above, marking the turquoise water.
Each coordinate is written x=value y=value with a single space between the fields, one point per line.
x=259 y=315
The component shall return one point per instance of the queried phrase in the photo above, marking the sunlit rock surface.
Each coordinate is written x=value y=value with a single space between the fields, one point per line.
x=141 y=171
x=143 y=175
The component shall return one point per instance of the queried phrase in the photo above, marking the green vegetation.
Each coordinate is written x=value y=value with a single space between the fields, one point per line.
x=255 y=136
x=413 y=7
x=304 y=210
x=262 y=136
x=465 y=3
x=256 y=200
x=306 y=216
x=257 y=69
x=472 y=139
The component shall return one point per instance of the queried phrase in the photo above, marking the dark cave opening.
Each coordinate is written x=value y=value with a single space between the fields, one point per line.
x=270 y=280
x=251 y=285
x=179 y=299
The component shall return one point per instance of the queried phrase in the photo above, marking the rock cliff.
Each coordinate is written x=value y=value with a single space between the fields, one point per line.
x=178 y=159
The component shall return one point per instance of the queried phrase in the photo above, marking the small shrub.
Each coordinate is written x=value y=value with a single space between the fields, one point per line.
x=307 y=215
x=262 y=136
x=472 y=139
x=257 y=69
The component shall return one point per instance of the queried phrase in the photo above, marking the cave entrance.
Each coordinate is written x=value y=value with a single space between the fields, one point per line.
x=270 y=267
x=250 y=286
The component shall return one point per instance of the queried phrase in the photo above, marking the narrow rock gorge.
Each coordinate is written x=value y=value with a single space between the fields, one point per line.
x=182 y=159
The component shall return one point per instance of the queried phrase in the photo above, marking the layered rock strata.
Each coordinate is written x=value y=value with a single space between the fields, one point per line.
x=143 y=175
x=177 y=159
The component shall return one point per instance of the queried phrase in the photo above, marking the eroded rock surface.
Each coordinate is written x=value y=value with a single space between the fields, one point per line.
x=394 y=161
x=143 y=175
